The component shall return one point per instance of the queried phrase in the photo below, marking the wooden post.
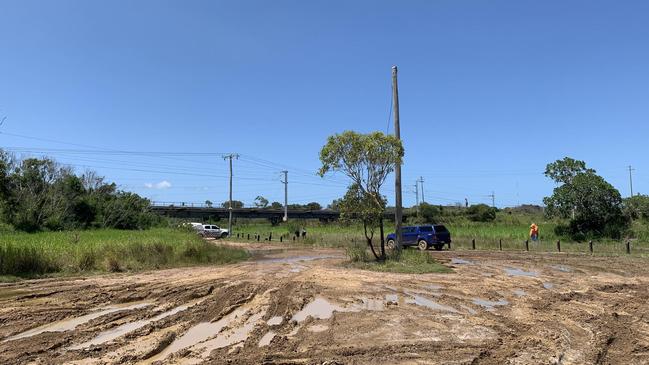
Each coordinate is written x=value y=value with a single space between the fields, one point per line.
x=258 y=237
x=270 y=236
x=500 y=244
x=527 y=245
x=293 y=238
x=473 y=243
x=559 y=245
x=590 y=246
x=628 y=247
x=248 y=236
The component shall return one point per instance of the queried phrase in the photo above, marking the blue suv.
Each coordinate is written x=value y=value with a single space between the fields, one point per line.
x=423 y=237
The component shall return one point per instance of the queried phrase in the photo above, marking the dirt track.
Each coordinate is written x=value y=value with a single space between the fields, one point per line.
x=497 y=308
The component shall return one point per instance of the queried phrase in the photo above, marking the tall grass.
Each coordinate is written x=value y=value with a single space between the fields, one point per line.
x=29 y=254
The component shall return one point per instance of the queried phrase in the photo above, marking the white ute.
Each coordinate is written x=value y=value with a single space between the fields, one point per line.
x=210 y=230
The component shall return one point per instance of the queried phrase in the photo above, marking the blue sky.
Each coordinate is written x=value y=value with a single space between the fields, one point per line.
x=490 y=92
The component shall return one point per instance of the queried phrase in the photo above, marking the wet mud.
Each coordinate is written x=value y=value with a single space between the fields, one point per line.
x=304 y=307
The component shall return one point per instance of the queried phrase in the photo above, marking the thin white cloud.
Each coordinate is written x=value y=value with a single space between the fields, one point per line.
x=164 y=184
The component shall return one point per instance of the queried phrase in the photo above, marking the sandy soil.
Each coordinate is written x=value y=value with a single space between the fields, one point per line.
x=291 y=306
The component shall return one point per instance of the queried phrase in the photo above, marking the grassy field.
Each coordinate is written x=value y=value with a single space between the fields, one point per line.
x=513 y=230
x=34 y=254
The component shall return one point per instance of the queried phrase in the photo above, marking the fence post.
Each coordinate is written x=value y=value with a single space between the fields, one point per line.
x=281 y=238
x=473 y=243
x=270 y=236
x=628 y=247
x=590 y=246
x=248 y=236
x=559 y=245
x=293 y=238
x=500 y=244
x=527 y=245
x=258 y=237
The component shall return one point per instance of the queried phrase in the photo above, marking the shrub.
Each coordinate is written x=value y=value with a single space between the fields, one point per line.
x=481 y=213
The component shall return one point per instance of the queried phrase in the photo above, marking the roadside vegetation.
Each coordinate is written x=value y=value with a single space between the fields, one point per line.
x=41 y=195
x=107 y=250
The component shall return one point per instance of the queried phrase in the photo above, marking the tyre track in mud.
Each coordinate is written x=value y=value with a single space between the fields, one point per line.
x=594 y=311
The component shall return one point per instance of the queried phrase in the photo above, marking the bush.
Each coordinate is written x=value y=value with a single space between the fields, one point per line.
x=481 y=213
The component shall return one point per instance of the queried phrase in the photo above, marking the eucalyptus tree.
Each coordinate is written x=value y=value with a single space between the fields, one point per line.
x=367 y=159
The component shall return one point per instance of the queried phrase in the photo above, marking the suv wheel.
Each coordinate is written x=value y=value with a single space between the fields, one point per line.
x=423 y=245
x=391 y=245
x=224 y=235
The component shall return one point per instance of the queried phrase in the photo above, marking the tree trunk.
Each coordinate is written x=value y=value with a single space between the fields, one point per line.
x=382 y=239
x=369 y=241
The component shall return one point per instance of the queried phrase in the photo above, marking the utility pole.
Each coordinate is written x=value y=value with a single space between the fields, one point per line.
x=417 y=197
x=398 y=214
x=421 y=181
x=631 y=179
x=285 y=182
x=230 y=157
x=493 y=198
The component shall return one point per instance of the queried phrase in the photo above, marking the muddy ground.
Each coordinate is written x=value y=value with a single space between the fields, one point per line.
x=303 y=307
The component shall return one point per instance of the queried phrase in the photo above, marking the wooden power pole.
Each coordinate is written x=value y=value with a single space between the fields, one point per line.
x=631 y=179
x=398 y=214
x=285 y=182
x=230 y=157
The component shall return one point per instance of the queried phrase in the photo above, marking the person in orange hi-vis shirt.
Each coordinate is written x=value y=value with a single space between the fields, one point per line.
x=534 y=232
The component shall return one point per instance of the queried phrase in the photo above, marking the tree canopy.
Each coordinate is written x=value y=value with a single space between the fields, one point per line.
x=593 y=206
x=38 y=194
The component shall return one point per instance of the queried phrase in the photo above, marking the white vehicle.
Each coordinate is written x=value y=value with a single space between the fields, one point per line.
x=210 y=230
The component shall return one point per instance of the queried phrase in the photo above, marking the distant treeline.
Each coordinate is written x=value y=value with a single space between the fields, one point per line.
x=39 y=194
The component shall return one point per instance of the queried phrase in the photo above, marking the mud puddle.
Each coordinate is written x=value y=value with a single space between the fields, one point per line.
x=459 y=261
x=294 y=259
x=520 y=272
x=318 y=328
x=275 y=321
x=488 y=304
x=562 y=268
x=519 y=292
x=428 y=303
x=319 y=308
x=266 y=339
x=198 y=334
x=72 y=323
x=119 y=331
x=236 y=336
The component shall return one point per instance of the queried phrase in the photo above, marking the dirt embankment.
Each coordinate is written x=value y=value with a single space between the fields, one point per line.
x=303 y=307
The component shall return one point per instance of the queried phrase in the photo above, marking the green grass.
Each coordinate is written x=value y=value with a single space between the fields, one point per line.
x=410 y=262
x=46 y=253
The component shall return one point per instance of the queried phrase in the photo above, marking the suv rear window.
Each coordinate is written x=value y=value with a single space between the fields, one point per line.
x=425 y=229
x=440 y=228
